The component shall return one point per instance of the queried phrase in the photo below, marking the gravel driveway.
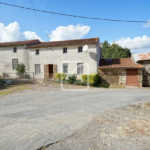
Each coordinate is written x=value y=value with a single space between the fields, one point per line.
x=42 y=116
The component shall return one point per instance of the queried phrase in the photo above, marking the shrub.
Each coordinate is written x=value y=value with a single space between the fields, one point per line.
x=79 y=82
x=21 y=68
x=2 y=81
x=61 y=76
x=104 y=85
x=93 y=78
x=72 y=78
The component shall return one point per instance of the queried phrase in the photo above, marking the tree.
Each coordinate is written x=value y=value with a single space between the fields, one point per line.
x=115 y=51
x=21 y=68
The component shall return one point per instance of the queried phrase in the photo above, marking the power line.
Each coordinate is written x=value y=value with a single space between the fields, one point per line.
x=37 y=19
x=74 y=15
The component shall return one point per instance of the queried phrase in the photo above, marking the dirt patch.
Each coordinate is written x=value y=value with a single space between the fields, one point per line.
x=120 y=129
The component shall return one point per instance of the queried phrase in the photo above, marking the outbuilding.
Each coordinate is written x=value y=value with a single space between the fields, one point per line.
x=143 y=59
x=120 y=71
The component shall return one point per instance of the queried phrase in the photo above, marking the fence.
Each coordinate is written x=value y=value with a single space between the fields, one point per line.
x=15 y=78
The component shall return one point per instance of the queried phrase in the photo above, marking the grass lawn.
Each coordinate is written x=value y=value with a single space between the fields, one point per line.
x=8 y=89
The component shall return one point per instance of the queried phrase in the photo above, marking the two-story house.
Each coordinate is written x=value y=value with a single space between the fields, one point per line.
x=45 y=59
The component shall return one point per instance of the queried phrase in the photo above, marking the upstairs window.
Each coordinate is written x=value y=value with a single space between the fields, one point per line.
x=79 y=49
x=80 y=68
x=37 y=52
x=15 y=50
x=14 y=63
x=64 y=50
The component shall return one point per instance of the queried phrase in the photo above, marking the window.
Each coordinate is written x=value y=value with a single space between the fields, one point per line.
x=64 y=50
x=80 y=68
x=14 y=63
x=37 y=69
x=15 y=50
x=37 y=52
x=65 y=68
x=79 y=49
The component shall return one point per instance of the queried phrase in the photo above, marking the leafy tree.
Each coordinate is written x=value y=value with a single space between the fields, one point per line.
x=115 y=51
x=21 y=68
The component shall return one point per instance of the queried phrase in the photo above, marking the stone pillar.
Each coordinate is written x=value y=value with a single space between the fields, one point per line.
x=140 y=77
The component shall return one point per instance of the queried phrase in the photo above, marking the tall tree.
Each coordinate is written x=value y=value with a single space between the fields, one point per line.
x=115 y=51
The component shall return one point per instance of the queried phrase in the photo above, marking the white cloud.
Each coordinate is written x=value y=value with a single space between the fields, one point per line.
x=11 y=33
x=147 y=25
x=69 y=32
x=136 y=45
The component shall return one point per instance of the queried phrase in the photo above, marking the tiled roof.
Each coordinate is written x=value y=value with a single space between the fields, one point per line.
x=118 y=63
x=65 y=43
x=140 y=57
x=19 y=43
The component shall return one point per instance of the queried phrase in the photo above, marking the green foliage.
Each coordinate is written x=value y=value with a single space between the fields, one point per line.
x=72 y=78
x=21 y=68
x=115 y=51
x=79 y=82
x=2 y=81
x=104 y=85
x=93 y=78
x=60 y=76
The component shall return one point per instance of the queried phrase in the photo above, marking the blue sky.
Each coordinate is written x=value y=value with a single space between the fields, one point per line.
x=105 y=30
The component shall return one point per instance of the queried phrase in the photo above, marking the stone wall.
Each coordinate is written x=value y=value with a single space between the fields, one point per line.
x=146 y=72
x=117 y=77
x=113 y=76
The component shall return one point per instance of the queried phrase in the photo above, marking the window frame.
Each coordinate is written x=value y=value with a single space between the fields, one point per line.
x=36 y=52
x=13 y=68
x=14 y=49
x=64 y=65
x=35 y=69
x=65 y=48
x=80 y=70
x=79 y=49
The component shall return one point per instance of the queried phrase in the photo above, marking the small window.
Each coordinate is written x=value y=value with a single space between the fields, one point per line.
x=64 y=50
x=65 y=68
x=15 y=50
x=14 y=63
x=37 y=52
x=80 y=68
x=79 y=49
x=37 y=69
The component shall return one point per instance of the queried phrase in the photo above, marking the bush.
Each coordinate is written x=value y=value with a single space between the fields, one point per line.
x=21 y=68
x=2 y=81
x=104 y=85
x=79 y=82
x=72 y=78
x=93 y=78
x=61 y=76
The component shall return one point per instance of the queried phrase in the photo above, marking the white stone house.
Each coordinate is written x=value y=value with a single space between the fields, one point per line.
x=44 y=59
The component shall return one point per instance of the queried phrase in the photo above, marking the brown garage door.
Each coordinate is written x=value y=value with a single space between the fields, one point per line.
x=132 y=77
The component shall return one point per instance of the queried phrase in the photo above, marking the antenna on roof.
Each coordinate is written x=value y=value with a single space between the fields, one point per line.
x=85 y=48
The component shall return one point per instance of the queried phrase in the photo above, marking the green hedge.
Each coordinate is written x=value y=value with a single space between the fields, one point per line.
x=60 y=76
x=93 y=78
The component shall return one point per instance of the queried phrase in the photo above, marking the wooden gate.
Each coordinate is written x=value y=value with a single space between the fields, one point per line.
x=132 y=77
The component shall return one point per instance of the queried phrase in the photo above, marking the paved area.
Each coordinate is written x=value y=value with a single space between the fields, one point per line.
x=43 y=116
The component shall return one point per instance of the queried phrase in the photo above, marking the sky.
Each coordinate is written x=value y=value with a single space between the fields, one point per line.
x=21 y=24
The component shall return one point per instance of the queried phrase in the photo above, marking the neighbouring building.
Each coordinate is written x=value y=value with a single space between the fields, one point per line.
x=143 y=59
x=45 y=59
x=121 y=71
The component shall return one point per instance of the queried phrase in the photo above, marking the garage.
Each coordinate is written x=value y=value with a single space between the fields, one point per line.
x=132 y=77
x=120 y=72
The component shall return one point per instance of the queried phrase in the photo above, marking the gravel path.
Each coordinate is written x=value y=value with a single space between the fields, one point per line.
x=46 y=115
